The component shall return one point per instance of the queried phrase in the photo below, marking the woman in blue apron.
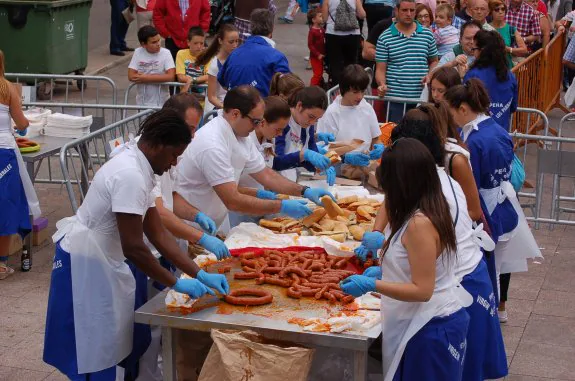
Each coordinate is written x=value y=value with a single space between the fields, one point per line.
x=491 y=150
x=424 y=325
x=485 y=356
x=17 y=195
x=90 y=317
x=297 y=147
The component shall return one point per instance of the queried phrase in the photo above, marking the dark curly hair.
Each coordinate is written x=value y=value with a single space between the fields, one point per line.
x=493 y=53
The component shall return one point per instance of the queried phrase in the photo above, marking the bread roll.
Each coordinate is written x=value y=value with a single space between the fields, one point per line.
x=314 y=217
x=333 y=210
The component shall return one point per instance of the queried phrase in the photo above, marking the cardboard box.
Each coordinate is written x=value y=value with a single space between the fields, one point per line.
x=15 y=244
x=40 y=231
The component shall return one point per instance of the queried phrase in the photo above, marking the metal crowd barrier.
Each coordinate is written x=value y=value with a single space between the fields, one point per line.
x=45 y=85
x=80 y=159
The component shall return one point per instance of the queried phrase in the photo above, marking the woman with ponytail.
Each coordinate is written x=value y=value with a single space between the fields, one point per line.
x=221 y=47
x=17 y=195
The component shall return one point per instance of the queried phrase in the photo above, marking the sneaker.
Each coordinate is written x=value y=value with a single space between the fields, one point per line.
x=306 y=58
x=5 y=271
x=503 y=317
x=285 y=20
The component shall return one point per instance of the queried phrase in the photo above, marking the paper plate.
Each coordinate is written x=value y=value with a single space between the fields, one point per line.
x=30 y=149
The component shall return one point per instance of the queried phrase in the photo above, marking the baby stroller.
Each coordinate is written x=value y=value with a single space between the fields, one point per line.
x=222 y=13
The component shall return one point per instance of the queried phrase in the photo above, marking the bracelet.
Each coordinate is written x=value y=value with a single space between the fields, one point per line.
x=511 y=51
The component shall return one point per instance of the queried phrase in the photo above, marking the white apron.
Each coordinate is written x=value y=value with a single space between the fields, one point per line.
x=7 y=140
x=294 y=144
x=513 y=248
x=103 y=290
x=402 y=320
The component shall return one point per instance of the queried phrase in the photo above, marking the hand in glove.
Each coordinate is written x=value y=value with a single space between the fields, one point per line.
x=22 y=132
x=216 y=281
x=330 y=176
x=192 y=287
x=361 y=252
x=295 y=208
x=376 y=152
x=373 y=241
x=214 y=245
x=322 y=149
x=206 y=223
x=314 y=194
x=266 y=194
x=358 y=159
x=373 y=272
x=325 y=137
x=357 y=285
x=316 y=159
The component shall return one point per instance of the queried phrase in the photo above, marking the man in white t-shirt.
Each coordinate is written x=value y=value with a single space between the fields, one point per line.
x=211 y=166
x=151 y=64
x=351 y=117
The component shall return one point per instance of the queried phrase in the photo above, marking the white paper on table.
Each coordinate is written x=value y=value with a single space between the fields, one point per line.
x=176 y=299
x=368 y=302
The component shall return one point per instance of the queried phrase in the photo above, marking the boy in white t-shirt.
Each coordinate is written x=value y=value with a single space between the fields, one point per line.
x=151 y=64
x=351 y=117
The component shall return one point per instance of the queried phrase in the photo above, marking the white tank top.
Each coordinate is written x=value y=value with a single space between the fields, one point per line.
x=395 y=268
x=6 y=137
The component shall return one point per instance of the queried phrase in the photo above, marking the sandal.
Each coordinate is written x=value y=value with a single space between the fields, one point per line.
x=5 y=271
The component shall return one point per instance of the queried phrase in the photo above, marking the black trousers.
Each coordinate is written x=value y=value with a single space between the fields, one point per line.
x=504 y=280
x=340 y=52
x=375 y=13
x=119 y=26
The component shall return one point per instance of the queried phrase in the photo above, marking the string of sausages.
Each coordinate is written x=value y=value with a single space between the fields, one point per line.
x=304 y=274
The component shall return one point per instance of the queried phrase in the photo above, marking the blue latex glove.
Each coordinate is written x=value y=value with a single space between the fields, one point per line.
x=216 y=281
x=358 y=159
x=325 y=137
x=361 y=252
x=266 y=194
x=373 y=241
x=330 y=176
x=314 y=194
x=214 y=245
x=357 y=285
x=206 y=223
x=317 y=160
x=295 y=208
x=376 y=152
x=192 y=287
x=373 y=272
x=322 y=149
x=22 y=132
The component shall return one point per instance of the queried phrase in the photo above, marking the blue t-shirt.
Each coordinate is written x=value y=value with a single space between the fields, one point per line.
x=503 y=95
x=253 y=63
x=491 y=151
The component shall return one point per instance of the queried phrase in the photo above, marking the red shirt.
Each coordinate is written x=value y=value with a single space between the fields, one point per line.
x=169 y=22
x=316 y=42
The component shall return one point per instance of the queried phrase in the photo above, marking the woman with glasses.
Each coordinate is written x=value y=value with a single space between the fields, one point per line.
x=514 y=43
x=424 y=15
x=490 y=66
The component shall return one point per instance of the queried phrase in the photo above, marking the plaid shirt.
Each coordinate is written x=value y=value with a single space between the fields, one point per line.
x=457 y=22
x=525 y=19
x=184 y=5
x=245 y=27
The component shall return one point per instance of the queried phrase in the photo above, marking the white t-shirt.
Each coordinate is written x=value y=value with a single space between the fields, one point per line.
x=123 y=185
x=148 y=63
x=333 y=4
x=350 y=122
x=213 y=70
x=214 y=157
x=246 y=180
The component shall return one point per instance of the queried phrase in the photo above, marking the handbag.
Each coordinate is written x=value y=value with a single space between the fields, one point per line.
x=345 y=18
x=517 y=174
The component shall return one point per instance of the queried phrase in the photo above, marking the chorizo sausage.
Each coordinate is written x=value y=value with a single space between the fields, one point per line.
x=245 y=297
x=247 y=269
x=309 y=291
x=347 y=299
x=248 y=262
x=248 y=255
x=307 y=263
x=330 y=297
x=293 y=293
x=278 y=282
x=319 y=294
x=296 y=279
x=342 y=263
x=246 y=275
x=271 y=270
x=316 y=266
x=292 y=269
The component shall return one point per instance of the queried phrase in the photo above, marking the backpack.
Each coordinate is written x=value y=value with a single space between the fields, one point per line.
x=345 y=18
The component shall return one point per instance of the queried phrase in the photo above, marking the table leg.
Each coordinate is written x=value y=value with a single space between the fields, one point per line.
x=28 y=239
x=360 y=365
x=168 y=354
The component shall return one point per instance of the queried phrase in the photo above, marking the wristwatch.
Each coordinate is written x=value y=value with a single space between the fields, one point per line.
x=194 y=81
x=303 y=189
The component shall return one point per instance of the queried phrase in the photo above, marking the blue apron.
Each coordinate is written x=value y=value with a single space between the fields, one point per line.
x=59 y=339
x=437 y=351
x=485 y=358
x=15 y=210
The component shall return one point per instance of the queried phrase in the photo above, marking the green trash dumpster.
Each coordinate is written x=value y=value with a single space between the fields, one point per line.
x=45 y=37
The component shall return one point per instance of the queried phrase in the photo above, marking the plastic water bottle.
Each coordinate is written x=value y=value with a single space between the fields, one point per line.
x=26 y=260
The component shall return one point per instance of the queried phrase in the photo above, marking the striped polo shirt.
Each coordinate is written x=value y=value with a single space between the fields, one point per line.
x=406 y=58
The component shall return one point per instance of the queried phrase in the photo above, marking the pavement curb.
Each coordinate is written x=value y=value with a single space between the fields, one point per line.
x=110 y=65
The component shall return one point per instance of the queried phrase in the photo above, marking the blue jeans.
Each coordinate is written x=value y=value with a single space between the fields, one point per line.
x=395 y=111
x=119 y=26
